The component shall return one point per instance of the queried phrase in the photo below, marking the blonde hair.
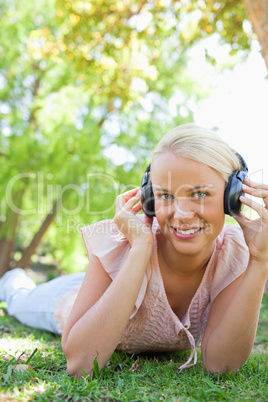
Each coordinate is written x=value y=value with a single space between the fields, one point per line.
x=201 y=145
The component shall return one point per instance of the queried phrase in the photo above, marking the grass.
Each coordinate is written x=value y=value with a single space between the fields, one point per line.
x=125 y=378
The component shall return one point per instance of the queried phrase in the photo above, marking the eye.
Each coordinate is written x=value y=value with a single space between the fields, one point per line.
x=165 y=196
x=200 y=194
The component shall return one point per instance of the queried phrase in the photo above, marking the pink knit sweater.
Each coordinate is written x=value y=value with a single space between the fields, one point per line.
x=153 y=326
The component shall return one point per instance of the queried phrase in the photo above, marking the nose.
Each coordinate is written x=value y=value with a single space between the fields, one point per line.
x=183 y=209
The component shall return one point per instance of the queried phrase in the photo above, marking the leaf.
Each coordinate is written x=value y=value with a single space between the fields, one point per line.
x=22 y=367
x=32 y=355
x=85 y=375
x=212 y=385
x=135 y=365
x=9 y=372
x=96 y=370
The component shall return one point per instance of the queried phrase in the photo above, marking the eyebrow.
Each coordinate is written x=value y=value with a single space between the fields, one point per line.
x=194 y=188
x=202 y=186
x=158 y=188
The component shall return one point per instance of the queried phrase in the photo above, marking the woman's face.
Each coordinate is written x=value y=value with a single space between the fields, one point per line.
x=188 y=202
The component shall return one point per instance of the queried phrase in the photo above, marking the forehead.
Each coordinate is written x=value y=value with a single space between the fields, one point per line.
x=170 y=170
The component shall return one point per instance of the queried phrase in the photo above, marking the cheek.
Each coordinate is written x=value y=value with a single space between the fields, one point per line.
x=214 y=206
x=161 y=214
x=213 y=215
x=162 y=211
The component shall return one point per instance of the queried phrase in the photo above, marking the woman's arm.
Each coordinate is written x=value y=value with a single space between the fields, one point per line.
x=103 y=307
x=233 y=319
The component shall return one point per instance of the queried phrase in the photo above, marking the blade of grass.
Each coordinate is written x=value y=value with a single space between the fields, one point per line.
x=32 y=355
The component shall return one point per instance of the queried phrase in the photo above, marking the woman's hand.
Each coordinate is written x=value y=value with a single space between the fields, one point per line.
x=127 y=206
x=255 y=231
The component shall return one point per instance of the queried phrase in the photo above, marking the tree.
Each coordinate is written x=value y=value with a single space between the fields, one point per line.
x=258 y=14
x=65 y=88
x=230 y=20
x=79 y=81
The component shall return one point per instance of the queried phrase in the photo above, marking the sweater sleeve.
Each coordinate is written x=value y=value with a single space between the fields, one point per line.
x=105 y=241
x=232 y=259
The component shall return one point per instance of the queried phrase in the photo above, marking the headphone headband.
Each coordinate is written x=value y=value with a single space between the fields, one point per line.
x=243 y=162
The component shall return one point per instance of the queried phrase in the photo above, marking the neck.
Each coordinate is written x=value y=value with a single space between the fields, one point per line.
x=180 y=264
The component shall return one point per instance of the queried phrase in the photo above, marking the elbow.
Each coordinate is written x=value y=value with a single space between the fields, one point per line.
x=219 y=369
x=76 y=366
x=82 y=362
x=76 y=370
x=82 y=365
x=222 y=366
x=73 y=369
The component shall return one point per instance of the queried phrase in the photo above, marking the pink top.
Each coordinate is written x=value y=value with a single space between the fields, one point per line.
x=153 y=326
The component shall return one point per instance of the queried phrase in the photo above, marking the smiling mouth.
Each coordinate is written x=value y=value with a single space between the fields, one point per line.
x=187 y=231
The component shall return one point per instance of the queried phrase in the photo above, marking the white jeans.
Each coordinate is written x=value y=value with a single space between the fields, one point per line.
x=34 y=305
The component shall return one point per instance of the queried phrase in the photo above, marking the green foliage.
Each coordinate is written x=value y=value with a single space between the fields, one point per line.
x=85 y=89
x=226 y=18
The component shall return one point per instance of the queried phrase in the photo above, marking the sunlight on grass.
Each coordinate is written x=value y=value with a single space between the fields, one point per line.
x=13 y=345
x=35 y=389
x=146 y=378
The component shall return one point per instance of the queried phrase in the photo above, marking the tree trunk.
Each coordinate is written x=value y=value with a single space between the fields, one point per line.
x=6 y=249
x=29 y=251
x=8 y=234
x=258 y=14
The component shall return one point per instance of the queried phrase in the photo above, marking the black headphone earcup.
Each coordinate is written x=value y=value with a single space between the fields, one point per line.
x=147 y=200
x=226 y=198
x=232 y=193
x=147 y=195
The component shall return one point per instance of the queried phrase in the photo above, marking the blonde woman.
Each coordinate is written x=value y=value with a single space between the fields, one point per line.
x=167 y=280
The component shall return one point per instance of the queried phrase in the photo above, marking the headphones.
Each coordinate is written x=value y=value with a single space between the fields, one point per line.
x=233 y=190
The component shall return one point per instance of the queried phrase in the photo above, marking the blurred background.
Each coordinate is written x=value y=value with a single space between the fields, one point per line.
x=87 y=89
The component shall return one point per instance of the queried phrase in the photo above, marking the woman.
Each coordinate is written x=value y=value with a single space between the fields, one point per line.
x=165 y=283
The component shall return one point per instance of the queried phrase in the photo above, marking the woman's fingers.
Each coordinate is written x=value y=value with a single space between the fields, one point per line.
x=128 y=201
x=122 y=199
x=129 y=194
x=131 y=205
x=126 y=219
x=255 y=185
x=137 y=208
x=256 y=190
x=260 y=209
x=132 y=201
x=242 y=220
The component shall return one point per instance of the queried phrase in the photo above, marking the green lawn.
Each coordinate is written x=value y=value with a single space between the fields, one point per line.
x=125 y=378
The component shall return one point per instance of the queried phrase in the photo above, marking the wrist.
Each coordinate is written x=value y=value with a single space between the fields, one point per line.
x=143 y=244
x=258 y=265
x=142 y=252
